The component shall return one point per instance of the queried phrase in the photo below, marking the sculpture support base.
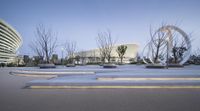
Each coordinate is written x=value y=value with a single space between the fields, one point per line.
x=46 y=66
x=70 y=65
x=109 y=66
x=175 y=66
x=155 y=66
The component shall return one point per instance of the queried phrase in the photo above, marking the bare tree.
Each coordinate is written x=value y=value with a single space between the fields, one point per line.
x=45 y=44
x=168 y=36
x=105 y=43
x=179 y=47
x=70 y=48
x=36 y=49
x=158 y=39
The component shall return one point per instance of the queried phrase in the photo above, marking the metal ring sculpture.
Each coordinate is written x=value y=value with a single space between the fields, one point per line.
x=166 y=45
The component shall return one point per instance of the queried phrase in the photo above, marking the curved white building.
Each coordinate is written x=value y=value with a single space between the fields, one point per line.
x=10 y=41
x=93 y=55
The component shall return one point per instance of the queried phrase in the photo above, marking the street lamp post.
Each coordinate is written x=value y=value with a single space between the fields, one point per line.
x=167 y=60
x=62 y=49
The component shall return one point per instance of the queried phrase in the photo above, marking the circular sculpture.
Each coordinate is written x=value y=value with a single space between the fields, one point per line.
x=168 y=44
x=10 y=41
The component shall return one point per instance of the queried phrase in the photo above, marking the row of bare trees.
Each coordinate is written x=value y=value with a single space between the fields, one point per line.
x=46 y=43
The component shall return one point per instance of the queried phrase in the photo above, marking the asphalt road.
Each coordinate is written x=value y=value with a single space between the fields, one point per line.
x=13 y=97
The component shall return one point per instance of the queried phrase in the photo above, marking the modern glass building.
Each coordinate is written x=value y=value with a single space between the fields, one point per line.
x=10 y=41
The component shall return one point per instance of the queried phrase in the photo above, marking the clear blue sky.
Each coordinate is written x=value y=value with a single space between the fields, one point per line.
x=81 y=20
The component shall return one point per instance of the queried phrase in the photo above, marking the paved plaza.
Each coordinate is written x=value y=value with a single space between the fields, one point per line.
x=127 y=76
x=15 y=97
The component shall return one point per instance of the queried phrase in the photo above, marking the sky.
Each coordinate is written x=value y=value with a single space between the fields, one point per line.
x=81 y=20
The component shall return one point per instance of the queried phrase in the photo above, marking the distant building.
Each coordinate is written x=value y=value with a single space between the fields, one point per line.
x=10 y=41
x=18 y=60
x=91 y=56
